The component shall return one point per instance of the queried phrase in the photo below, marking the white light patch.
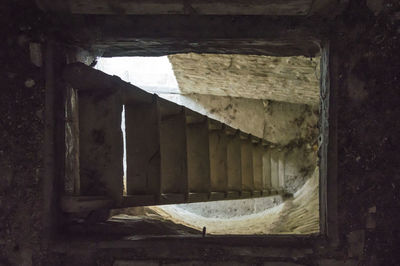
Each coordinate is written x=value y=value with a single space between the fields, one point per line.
x=152 y=74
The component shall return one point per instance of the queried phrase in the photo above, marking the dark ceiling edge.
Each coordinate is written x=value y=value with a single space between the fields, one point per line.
x=170 y=34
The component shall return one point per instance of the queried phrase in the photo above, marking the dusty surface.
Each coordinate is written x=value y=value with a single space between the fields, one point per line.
x=285 y=79
x=295 y=216
x=228 y=209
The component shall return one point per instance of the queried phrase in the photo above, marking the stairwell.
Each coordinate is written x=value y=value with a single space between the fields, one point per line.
x=174 y=155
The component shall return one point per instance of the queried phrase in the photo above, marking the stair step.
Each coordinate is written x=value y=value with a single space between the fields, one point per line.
x=218 y=142
x=142 y=122
x=234 y=167
x=198 y=155
x=281 y=166
x=258 y=152
x=173 y=148
x=266 y=173
x=275 y=170
x=100 y=145
x=246 y=151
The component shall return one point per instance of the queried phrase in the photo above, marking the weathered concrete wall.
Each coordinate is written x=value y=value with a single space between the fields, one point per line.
x=246 y=114
x=286 y=123
x=287 y=79
x=278 y=122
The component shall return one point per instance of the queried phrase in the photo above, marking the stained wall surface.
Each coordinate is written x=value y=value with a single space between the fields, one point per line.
x=286 y=79
x=277 y=122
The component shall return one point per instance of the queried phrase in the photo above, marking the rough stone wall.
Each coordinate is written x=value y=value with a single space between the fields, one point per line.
x=21 y=133
x=367 y=62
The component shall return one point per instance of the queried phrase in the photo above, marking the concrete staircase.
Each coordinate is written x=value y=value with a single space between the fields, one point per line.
x=173 y=154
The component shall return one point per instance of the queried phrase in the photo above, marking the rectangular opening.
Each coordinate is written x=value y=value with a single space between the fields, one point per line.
x=231 y=140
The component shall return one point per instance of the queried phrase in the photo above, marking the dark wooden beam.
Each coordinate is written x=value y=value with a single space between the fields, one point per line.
x=201 y=7
x=161 y=35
